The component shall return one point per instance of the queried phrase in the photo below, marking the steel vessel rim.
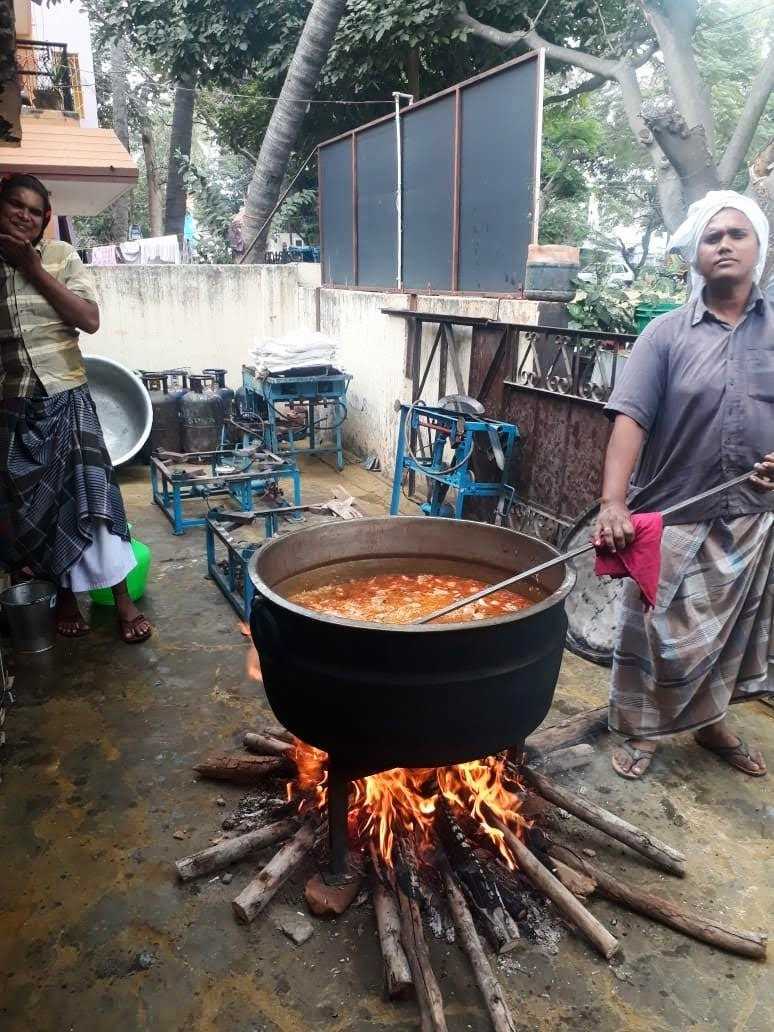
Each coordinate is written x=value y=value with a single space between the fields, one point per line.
x=143 y=398
x=263 y=589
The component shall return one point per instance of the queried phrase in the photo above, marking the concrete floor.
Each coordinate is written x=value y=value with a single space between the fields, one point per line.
x=97 y=780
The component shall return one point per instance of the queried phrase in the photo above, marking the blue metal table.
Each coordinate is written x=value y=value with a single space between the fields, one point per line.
x=309 y=390
x=242 y=474
x=223 y=536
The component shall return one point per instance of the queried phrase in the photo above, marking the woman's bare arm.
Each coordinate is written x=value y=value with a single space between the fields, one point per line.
x=614 y=528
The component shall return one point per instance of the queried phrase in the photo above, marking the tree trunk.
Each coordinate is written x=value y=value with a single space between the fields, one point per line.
x=761 y=189
x=179 y=147
x=413 y=73
x=118 y=84
x=286 y=120
x=10 y=96
x=155 y=204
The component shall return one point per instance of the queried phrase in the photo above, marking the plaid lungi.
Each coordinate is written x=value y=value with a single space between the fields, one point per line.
x=56 y=478
x=708 y=640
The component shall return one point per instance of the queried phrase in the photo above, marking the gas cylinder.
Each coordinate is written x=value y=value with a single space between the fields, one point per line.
x=166 y=430
x=202 y=416
x=178 y=382
x=226 y=394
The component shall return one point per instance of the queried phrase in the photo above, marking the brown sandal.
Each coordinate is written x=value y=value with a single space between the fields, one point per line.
x=130 y=630
x=732 y=754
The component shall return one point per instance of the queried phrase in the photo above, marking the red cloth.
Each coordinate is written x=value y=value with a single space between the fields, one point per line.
x=641 y=560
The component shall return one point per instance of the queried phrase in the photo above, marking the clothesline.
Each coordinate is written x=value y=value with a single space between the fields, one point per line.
x=153 y=251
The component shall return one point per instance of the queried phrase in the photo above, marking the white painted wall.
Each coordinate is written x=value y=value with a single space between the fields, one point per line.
x=156 y=317
x=160 y=317
x=67 y=22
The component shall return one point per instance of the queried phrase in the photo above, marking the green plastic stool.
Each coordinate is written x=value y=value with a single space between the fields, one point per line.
x=137 y=580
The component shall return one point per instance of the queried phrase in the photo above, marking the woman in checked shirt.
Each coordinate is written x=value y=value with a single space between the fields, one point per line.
x=61 y=512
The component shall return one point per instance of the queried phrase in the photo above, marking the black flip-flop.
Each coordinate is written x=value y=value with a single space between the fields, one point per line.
x=637 y=755
x=742 y=750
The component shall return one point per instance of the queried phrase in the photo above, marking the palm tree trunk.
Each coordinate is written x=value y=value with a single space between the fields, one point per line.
x=119 y=85
x=179 y=147
x=155 y=206
x=286 y=120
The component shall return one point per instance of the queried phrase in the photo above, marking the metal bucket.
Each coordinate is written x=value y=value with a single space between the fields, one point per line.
x=30 y=609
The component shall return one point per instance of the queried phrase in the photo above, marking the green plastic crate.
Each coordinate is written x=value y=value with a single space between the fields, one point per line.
x=645 y=313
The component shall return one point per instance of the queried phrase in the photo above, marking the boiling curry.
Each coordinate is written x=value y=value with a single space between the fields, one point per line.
x=396 y=598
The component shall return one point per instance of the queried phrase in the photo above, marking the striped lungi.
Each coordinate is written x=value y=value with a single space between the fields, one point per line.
x=708 y=640
x=56 y=481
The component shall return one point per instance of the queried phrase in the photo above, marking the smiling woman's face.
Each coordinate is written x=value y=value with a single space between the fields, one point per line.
x=22 y=213
x=728 y=250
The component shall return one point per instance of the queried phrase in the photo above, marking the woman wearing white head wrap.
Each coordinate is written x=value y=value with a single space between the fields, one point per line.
x=687 y=236
x=693 y=409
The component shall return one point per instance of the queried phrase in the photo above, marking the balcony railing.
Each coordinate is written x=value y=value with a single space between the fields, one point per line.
x=582 y=364
x=45 y=75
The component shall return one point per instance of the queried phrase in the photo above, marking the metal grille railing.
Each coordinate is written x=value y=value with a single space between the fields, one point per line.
x=45 y=75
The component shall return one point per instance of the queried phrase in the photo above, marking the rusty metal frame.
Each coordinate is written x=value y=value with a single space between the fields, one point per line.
x=456 y=91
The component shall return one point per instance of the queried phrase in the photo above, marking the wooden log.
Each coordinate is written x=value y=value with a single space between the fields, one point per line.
x=242 y=770
x=277 y=731
x=229 y=851
x=575 y=729
x=412 y=936
x=570 y=907
x=397 y=974
x=577 y=882
x=571 y=758
x=654 y=849
x=267 y=745
x=254 y=897
x=500 y=1015
x=480 y=889
x=734 y=940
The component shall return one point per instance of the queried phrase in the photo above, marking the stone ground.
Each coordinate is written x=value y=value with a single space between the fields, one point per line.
x=98 y=799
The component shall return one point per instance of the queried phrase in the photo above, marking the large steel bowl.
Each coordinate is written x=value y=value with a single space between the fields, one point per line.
x=123 y=406
x=377 y=696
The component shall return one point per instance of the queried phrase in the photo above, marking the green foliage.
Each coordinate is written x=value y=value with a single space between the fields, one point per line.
x=298 y=214
x=611 y=308
x=218 y=39
x=216 y=184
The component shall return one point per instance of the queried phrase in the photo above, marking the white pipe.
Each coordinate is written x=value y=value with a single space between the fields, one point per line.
x=397 y=97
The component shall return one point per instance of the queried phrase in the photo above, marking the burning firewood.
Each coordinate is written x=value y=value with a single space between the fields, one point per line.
x=502 y=1020
x=242 y=770
x=397 y=974
x=267 y=745
x=255 y=896
x=480 y=889
x=567 y=904
x=229 y=851
x=660 y=853
x=735 y=940
x=428 y=992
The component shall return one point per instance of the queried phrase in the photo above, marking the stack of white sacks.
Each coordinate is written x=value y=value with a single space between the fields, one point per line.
x=303 y=349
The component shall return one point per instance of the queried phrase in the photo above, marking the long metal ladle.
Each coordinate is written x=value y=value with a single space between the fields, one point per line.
x=452 y=607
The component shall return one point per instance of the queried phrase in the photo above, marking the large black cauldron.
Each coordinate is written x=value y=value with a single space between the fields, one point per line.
x=376 y=697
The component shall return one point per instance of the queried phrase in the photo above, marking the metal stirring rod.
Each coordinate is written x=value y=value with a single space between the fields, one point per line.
x=492 y=588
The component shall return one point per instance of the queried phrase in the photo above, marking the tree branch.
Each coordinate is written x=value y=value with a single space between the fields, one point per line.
x=753 y=109
x=497 y=37
x=594 y=82
x=674 y=24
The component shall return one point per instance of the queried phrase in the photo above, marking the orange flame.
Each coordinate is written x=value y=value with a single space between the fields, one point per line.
x=382 y=805
x=252 y=663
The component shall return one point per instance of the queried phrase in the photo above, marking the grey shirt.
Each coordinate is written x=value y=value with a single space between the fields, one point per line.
x=704 y=393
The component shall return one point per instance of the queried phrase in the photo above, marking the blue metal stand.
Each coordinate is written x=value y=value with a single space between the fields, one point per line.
x=457 y=432
x=231 y=573
x=241 y=475
x=309 y=391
